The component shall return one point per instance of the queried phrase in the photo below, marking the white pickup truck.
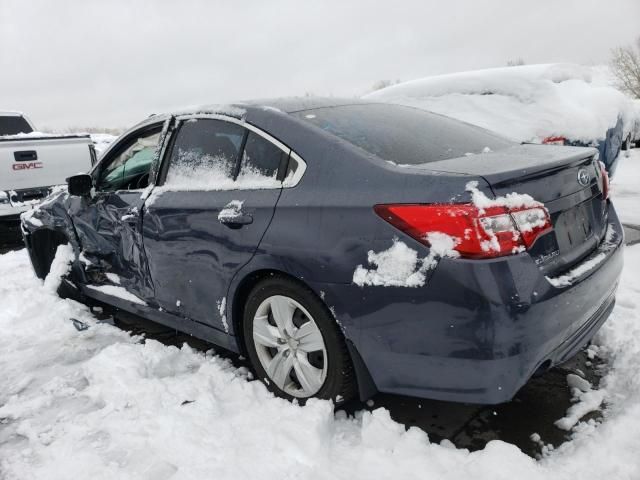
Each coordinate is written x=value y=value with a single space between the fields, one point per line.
x=31 y=163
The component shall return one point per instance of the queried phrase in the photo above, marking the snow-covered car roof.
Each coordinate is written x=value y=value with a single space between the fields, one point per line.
x=525 y=103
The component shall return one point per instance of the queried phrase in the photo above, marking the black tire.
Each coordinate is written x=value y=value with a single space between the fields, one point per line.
x=340 y=383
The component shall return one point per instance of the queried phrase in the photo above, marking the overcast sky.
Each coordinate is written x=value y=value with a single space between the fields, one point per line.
x=112 y=63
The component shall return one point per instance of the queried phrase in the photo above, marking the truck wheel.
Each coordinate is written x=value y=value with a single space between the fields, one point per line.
x=294 y=344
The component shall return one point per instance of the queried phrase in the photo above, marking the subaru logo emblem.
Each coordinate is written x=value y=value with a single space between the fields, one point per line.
x=583 y=177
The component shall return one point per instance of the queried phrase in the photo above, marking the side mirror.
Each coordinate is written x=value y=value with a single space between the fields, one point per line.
x=80 y=185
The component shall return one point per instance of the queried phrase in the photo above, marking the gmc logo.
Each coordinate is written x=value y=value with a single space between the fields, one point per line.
x=27 y=165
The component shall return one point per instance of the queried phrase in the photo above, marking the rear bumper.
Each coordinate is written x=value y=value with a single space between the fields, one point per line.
x=478 y=330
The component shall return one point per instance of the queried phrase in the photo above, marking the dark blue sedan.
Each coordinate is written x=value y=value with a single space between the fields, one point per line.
x=345 y=247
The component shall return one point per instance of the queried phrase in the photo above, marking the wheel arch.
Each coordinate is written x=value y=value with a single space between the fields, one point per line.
x=42 y=245
x=241 y=292
x=365 y=384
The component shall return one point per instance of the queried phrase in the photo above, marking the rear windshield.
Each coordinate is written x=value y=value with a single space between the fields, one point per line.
x=12 y=125
x=403 y=135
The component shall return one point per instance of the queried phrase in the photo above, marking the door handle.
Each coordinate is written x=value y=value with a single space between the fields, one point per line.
x=236 y=221
x=25 y=155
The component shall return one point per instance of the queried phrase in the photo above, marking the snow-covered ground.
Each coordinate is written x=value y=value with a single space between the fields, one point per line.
x=626 y=187
x=102 y=404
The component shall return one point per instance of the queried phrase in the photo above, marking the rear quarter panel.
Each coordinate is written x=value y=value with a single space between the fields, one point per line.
x=323 y=228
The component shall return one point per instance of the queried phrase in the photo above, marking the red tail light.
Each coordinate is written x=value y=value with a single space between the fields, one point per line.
x=554 y=141
x=605 y=181
x=488 y=233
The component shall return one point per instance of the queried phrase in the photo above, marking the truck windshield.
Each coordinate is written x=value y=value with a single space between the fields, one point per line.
x=403 y=135
x=13 y=124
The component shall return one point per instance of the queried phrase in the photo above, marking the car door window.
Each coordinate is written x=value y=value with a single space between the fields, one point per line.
x=204 y=155
x=261 y=162
x=129 y=168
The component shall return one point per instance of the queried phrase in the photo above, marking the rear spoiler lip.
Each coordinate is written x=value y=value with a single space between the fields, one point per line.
x=532 y=174
x=496 y=169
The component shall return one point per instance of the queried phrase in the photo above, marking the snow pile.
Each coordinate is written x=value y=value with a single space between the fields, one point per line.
x=399 y=265
x=525 y=103
x=535 y=216
x=131 y=214
x=196 y=171
x=113 y=278
x=587 y=400
x=510 y=200
x=100 y=140
x=250 y=178
x=60 y=266
x=16 y=204
x=102 y=404
x=222 y=309
x=442 y=245
x=27 y=217
x=219 y=109
x=117 y=291
x=36 y=135
x=233 y=209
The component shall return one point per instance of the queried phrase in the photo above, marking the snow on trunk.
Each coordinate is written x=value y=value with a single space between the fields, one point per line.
x=510 y=200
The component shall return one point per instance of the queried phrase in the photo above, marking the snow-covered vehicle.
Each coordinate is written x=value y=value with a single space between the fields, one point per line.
x=344 y=246
x=560 y=104
x=31 y=163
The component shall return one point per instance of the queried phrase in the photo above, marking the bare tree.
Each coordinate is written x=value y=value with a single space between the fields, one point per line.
x=516 y=62
x=625 y=65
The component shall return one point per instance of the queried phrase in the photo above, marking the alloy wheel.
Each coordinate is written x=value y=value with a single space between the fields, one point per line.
x=290 y=346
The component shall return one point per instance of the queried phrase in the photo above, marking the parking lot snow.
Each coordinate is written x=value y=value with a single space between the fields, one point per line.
x=625 y=187
x=101 y=404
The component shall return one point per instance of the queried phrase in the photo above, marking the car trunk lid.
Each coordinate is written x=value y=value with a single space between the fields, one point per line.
x=567 y=180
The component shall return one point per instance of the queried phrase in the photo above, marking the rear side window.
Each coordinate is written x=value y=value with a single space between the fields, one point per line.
x=403 y=135
x=261 y=161
x=212 y=154
x=204 y=155
x=13 y=125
